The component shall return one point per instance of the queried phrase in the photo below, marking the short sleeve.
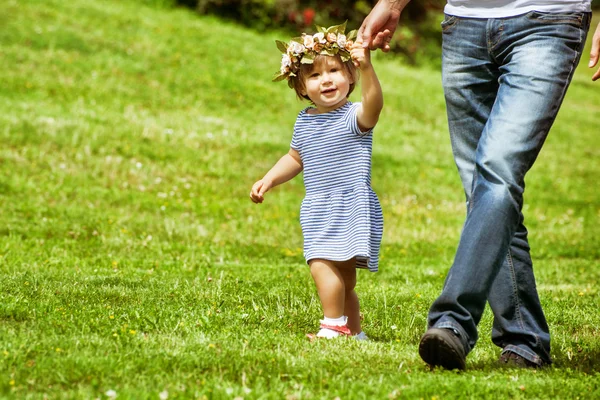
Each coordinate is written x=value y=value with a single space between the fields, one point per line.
x=296 y=142
x=295 y=145
x=352 y=121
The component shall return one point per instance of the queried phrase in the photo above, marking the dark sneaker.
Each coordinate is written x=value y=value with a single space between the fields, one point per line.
x=442 y=347
x=511 y=359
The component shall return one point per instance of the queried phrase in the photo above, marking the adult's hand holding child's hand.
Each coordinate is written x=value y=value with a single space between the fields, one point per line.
x=361 y=56
x=379 y=26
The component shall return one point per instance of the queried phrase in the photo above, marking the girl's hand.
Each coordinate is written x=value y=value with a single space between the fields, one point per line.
x=258 y=190
x=361 y=56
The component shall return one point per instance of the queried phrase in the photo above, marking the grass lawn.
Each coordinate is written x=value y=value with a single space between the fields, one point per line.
x=134 y=265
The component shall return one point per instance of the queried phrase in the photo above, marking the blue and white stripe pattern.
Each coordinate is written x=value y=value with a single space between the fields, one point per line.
x=341 y=216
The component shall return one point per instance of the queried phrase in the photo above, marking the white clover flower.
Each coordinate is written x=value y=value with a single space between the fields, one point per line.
x=319 y=38
x=341 y=40
x=309 y=42
x=295 y=48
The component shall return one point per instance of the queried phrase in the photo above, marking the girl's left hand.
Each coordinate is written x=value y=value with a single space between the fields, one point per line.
x=257 y=194
x=360 y=56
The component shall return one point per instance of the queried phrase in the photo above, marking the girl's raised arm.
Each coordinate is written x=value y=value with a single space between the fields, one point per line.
x=372 y=96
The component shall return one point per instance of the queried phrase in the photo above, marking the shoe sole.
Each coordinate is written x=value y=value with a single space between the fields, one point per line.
x=436 y=349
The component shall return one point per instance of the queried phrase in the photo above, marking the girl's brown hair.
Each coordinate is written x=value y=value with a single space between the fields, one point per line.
x=297 y=82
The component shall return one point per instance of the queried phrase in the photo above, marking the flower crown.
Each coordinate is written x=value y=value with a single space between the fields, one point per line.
x=303 y=50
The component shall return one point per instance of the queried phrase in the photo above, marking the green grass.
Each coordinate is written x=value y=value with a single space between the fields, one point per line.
x=131 y=258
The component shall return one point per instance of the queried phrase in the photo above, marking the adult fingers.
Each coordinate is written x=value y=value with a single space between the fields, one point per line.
x=382 y=41
x=386 y=38
x=364 y=33
x=359 y=40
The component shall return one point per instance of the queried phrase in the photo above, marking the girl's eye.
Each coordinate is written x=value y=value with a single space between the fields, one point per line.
x=314 y=75
x=334 y=70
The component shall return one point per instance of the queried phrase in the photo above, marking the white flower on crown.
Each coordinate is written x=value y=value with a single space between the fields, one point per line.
x=309 y=41
x=320 y=38
x=341 y=40
x=286 y=63
x=295 y=48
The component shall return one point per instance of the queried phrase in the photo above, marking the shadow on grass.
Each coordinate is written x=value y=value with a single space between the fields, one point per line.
x=587 y=362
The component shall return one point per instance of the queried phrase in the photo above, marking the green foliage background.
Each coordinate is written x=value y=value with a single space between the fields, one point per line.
x=417 y=40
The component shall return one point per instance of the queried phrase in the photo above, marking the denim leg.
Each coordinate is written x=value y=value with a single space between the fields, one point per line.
x=504 y=81
x=519 y=322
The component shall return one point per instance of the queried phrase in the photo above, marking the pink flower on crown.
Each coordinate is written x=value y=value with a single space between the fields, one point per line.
x=331 y=37
x=318 y=47
x=309 y=41
x=341 y=41
x=349 y=45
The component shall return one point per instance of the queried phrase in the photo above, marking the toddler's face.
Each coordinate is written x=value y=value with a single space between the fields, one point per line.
x=327 y=84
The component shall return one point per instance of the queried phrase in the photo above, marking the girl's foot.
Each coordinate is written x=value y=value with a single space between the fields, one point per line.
x=332 y=328
x=328 y=333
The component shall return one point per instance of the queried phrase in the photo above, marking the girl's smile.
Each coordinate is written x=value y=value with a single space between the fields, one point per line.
x=328 y=84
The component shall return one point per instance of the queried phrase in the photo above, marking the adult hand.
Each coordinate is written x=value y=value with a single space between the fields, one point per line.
x=595 y=52
x=379 y=26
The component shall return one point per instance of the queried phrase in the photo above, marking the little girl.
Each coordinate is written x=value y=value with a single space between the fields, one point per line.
x=341 y=217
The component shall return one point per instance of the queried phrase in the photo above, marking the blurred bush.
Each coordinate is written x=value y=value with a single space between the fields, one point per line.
x=417 y=39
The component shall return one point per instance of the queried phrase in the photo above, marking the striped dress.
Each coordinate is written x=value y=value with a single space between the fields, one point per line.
x=341 y=216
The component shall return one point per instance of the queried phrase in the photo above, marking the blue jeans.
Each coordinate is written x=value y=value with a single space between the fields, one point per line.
x=504 y=81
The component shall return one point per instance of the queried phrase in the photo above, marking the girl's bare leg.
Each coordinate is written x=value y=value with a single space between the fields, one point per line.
x=330 y=286
x=335 y=283
x=351 y=306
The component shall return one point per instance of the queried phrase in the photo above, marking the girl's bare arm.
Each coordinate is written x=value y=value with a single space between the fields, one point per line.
x=285 y=169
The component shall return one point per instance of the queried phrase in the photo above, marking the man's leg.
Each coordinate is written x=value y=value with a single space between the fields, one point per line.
x=519 y=322
x=528 y=97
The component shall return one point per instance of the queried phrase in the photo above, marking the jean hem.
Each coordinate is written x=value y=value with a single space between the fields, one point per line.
x=462 y=335
x=526 y=354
